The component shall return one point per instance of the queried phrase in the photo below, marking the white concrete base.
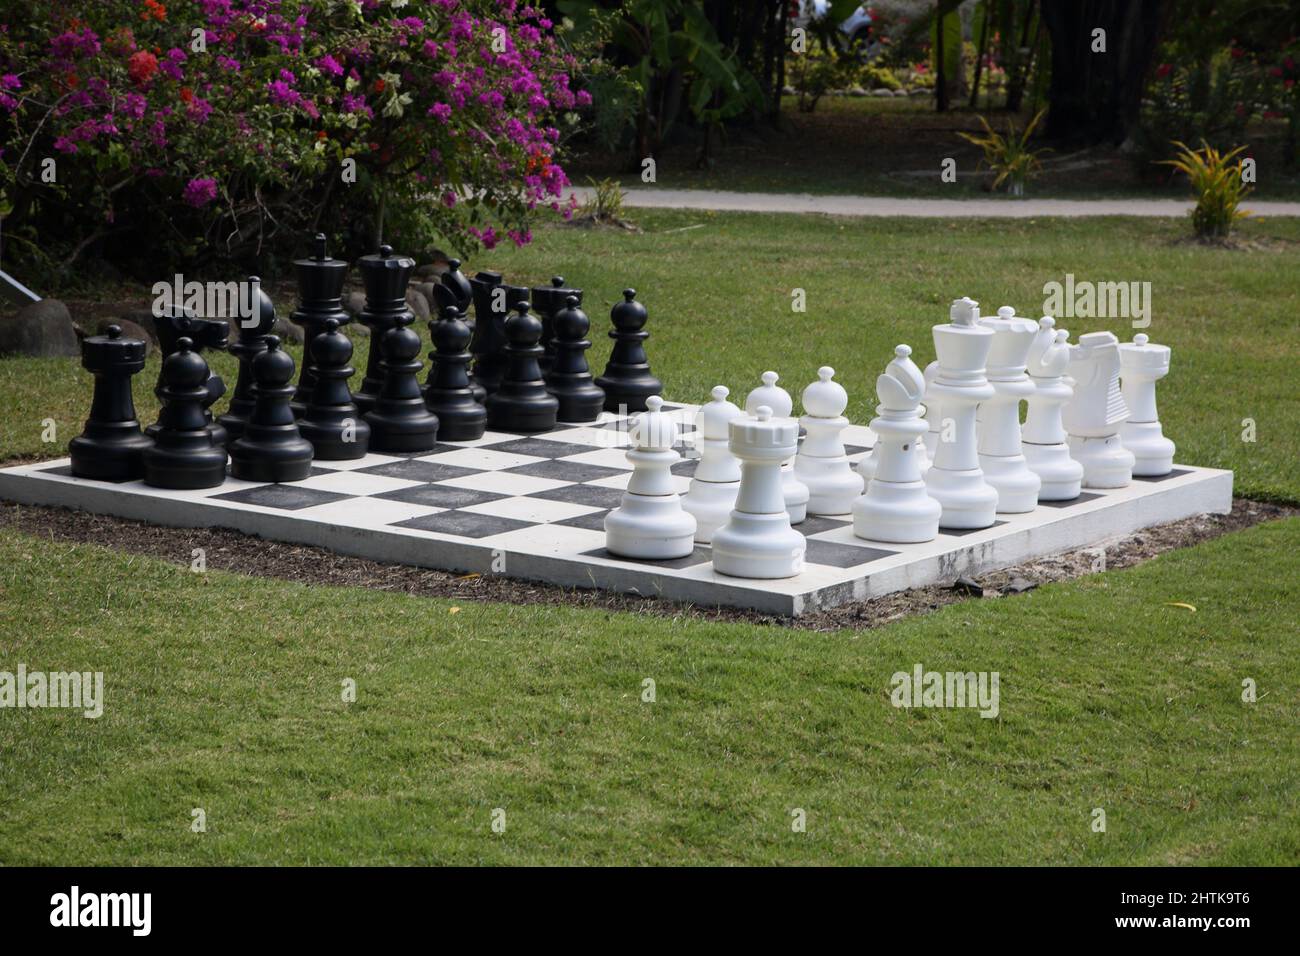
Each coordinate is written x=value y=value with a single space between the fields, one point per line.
x=563 y=543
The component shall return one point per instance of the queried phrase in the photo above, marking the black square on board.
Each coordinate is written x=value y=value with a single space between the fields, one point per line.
x=1086 y=496
x=285 y=497
x=440 y=496
x=560 y=470
x=465 y=524
x=413 y=470
x=542 y=448
x=836 y=555
x=1173 y=474
x=593 y=495
x=698 y=556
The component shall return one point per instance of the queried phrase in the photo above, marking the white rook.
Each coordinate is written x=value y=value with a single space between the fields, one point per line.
x=757 y=541
x=1142 y=364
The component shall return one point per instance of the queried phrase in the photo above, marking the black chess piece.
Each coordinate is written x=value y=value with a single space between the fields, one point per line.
x=488 y=341
x=250 y=343
x=331 y=421
x=177 y=322
x=385 y=277
x=627 y=380
x=547 y=300
x=455 y=282
x=522 y=403
x=447 y=393
x=569 y=379
x=271 y=448
x=399 y=419
x=112 y=445
x=183 y=454
x=320 y=291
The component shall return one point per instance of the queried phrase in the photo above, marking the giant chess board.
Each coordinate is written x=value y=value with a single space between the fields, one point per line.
x=533 y=507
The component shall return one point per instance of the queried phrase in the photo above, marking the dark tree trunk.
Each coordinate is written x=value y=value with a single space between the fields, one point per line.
x=1095 y=97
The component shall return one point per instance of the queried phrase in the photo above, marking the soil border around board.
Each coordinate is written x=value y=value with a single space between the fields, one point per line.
x=228 y=550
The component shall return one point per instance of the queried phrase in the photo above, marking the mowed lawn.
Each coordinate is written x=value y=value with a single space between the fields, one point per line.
x=224 y=692
x=720 y=290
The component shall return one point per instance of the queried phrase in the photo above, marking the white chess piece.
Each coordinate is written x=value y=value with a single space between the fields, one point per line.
x=955 y=479
x=1043 y=437
x=933 y=415
x=713 y=489
x=1142 y=364
x=1094 y=416
x=822 y=463
x=650 y=522
x=778 y=399
x=1000 y=454
x=896 y=506
x=757 y=541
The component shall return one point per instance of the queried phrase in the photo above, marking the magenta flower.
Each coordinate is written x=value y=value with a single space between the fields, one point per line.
x=199 y=192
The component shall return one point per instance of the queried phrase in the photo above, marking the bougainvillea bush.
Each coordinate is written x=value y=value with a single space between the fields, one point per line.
x=155 y=134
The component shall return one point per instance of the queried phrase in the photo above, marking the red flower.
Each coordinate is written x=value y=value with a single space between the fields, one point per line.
x=187 y=94
x=141 y=67
x=1163 y=70
x=379 y=86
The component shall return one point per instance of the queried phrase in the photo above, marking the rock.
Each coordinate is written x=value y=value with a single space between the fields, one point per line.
x=425 y=289
x=418 y=304
x=968 y=586
x=356 y=330
x=900 y=92
x=920 y=91
x=882 y=92
x=289 y=332
x=857 y=91
x=143 y=319
x=130 y=330
x=432 y=270
x=788 y=90
x=40 y=329
x=354 y=303
x=1019 y=585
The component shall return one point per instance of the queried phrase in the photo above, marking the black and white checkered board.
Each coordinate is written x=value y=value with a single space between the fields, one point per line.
x=534 y=506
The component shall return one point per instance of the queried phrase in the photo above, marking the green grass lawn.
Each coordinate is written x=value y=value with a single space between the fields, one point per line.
x=720 y=313
x=224 y=693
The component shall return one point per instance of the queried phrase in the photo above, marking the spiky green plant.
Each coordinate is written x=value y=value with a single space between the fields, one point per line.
x=1218 y=184
x=1009 y=157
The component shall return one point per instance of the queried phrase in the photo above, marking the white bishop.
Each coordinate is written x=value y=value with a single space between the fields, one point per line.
x=896 y=506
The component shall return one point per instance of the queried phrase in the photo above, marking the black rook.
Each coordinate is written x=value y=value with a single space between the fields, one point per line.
x=111 y=446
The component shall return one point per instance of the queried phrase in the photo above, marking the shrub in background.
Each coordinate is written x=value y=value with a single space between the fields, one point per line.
x=1218 y=185
x=165 y=134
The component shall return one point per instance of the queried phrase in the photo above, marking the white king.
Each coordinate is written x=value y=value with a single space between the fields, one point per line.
x=1001 y=458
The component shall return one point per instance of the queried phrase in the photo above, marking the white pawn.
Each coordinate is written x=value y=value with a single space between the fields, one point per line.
x=1000 y=454
x=778 y=399
x=1094 y=416
x=713 y=489
x=650 y=523
x=1142 y=364
x=822 y=464
x=955 y=479
x=1043 y=437
x=896 y=506
x=757 y=540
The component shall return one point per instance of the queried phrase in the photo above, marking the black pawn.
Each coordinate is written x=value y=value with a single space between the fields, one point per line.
x=569 y=379
x=399 y=420
x=385 y=277
x=178 y=322
x=331 y=421
x=183 y=454
x=627 y=380
x=448 y=393
x=522 y=403
x=250 y=343
x=111 y=446
x=271 y=448
x=547 y=300
x=320 y=290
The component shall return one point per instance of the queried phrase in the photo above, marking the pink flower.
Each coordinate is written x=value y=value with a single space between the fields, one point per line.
x=200 y=191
